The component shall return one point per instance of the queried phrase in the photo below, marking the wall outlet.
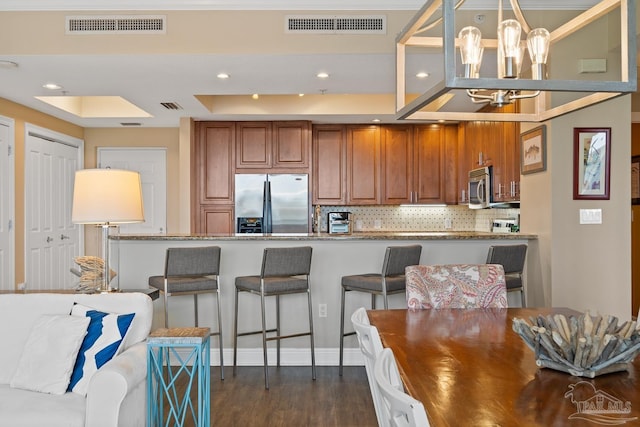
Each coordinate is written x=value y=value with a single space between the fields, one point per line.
x=322 y=310
x=377 y=224
x=22 y=286
x=448 y=224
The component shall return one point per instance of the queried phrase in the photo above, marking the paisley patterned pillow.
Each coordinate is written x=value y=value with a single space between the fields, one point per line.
x=456 y=286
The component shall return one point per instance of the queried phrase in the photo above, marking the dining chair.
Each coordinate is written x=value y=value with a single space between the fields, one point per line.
x=390 y=281
x=456 y=286
x=370 y=346
x=512 y=258
x=400 y=409
x=191 y=271
x=284 y=271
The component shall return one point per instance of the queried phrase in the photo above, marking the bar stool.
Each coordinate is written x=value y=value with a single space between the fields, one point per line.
x=390 y=281
x=191 y=271
x=284 y=271
x=512 y=258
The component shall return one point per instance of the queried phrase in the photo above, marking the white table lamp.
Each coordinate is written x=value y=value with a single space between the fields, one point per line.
x=106 y=198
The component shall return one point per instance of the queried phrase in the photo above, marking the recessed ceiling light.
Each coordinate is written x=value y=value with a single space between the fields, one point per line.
x=301 y=95
x=223 y=76
x=376 y=120
x=255 y=96
x=422 y=75
x=322 y=75
x=51 y=86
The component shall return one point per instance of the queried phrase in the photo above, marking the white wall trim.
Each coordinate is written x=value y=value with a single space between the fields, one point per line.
x=140 y=5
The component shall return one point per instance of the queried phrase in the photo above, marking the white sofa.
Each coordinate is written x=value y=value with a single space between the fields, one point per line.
x=117 y=391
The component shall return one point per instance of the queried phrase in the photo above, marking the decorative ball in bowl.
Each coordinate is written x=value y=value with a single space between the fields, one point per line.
x=583 y=346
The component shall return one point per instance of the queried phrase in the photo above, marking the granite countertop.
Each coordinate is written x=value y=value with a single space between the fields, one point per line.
x=380 y=235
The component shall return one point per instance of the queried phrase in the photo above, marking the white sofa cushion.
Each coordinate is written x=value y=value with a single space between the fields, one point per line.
x=104 y=338
x=28 y=408
x=18 y=313
x=50 y=352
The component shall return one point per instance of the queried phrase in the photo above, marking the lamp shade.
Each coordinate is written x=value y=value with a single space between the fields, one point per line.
x=107 y=196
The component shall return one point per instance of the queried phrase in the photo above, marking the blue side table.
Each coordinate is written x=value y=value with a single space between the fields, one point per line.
x=173 y=353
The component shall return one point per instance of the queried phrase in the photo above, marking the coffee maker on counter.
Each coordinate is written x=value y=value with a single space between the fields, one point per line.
x=339 y=222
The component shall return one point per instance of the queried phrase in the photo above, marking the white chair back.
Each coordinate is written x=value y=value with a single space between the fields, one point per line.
x=371 y=347
x=402 y=410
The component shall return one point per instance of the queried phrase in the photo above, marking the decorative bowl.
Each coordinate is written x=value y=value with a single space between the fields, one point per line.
x=583 y=346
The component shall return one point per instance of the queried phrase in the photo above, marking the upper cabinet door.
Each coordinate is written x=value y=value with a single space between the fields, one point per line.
x=253 y=145
x=291 y=144
x=213 y=160
x=429 y=160
x=329 y=165
x=397 y=165
x=363 y=165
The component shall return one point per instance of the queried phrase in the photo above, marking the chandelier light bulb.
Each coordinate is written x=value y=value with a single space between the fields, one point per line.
x=471 y=51
x=538 y=41
x=509 y=43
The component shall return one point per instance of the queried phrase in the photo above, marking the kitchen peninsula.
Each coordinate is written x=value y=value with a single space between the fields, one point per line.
x=136 y=257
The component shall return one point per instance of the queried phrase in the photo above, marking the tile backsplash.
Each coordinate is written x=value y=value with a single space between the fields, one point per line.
x=418 y=218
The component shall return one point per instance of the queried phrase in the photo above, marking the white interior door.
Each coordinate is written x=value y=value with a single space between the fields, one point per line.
x=151 y=163
x=52 y=240
x=7 y=205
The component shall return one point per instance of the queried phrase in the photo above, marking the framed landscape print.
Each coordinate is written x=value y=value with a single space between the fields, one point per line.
x=533 y=150
x=591 y=163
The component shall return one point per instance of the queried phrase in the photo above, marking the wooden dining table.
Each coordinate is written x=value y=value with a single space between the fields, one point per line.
x=469 y=368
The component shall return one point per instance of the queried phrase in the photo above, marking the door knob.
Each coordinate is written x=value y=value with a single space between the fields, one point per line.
x=49 y=239
x=62 y=237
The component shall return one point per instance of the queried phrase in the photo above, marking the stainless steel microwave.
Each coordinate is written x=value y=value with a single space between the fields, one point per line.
x=479 y=190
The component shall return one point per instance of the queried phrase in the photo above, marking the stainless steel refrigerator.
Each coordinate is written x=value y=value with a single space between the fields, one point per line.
x=280 y=200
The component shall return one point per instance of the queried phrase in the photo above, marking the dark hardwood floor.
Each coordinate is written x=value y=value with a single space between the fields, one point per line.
x=293 y=398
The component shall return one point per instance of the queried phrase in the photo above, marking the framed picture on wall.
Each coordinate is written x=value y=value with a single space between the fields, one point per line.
x=635 y=180
x=533 y=150
x=591 y=163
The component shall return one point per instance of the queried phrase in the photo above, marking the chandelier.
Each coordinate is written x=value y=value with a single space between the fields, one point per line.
x=510 y=55
x=515 y=39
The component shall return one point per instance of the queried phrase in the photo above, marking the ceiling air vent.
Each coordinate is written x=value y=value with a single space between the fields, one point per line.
x=332 y=24
x=171 y=105
x=116 y=24
x=130 y=124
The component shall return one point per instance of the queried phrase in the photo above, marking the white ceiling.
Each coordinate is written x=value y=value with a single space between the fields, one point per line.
x=147 y=79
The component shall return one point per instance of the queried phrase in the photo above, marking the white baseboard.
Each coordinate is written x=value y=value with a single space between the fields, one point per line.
x=288 y=357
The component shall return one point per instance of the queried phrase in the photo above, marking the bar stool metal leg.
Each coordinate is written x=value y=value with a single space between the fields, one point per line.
x=235 y=335
x=311 y=338
x=341 y=331
x=264 y=344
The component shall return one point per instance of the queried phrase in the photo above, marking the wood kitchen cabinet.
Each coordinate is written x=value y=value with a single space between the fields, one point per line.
x=329 y=165
x=419 y=164
x=398 y=186
x=273 y=145
x=216 y=219
x=212 y=174
x=363 y=165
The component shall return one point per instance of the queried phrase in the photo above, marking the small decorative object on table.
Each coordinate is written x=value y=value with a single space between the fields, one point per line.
x=91 y=273
x=583 y=346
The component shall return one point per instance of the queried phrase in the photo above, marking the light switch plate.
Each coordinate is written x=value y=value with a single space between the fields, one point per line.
x=590 y=216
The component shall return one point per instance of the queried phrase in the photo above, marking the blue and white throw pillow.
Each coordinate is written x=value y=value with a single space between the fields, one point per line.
x=104 y=338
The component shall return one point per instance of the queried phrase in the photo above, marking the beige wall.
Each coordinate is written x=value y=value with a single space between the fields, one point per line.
x=139 y=137
x=585 y=267
x=21 y=116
